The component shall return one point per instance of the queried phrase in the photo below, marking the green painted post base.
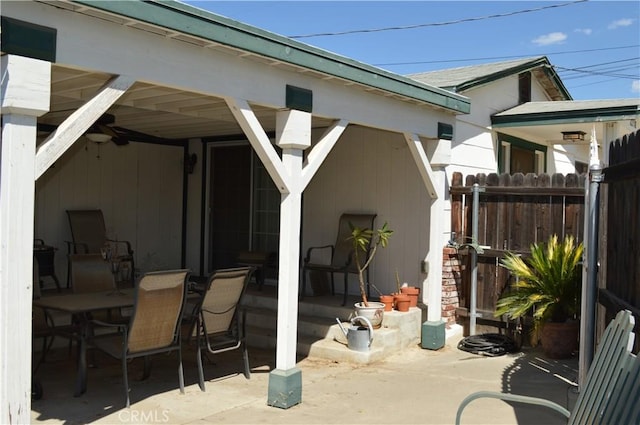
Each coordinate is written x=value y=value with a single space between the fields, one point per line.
x=285 y=388
x=433 y=335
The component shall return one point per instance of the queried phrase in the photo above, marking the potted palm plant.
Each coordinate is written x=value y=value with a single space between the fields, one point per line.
x=365 y=241
x=547 y=285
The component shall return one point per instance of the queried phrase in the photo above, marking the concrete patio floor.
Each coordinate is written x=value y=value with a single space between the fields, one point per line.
x=417 y=386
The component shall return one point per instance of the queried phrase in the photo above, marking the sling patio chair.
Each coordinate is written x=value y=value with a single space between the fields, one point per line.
x=154 y=326
x=220 y=320
x=89 y=235
x=342 y=259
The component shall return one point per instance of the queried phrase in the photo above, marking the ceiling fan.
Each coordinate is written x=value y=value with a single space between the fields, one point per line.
x=102 y=131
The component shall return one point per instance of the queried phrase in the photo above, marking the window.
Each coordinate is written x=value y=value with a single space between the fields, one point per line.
x=519 y=156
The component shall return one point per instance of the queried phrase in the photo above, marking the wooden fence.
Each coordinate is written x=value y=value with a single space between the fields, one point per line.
x=514 y=212
x=620 y=232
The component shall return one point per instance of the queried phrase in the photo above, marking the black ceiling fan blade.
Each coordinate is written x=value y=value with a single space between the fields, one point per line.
x=115 y=137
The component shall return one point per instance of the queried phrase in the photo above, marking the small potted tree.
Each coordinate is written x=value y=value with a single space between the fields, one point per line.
x=367 y=241
x=547 y=285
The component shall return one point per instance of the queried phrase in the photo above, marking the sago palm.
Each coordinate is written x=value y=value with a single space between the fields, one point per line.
x=547 y=283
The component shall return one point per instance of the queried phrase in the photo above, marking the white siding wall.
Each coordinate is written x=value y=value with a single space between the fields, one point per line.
x=137 y=186
x=371 y=171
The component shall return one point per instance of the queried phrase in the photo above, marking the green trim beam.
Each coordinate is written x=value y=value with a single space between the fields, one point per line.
x=26 y=39
x=528 y=66
x=299 y=98
x=564 y=117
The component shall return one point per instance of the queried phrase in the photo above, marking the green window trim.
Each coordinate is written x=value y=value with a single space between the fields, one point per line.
x=519 y=143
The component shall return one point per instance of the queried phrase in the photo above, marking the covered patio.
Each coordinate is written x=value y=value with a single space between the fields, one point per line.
x=417 y=386
x=178 y=89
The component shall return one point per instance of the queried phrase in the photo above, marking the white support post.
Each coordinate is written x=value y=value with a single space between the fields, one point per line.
x=293 y=135
x=434 y=177
x=434 y=257
x=25 y=96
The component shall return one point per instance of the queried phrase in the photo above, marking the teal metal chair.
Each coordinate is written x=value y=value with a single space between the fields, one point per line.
x=611 y=394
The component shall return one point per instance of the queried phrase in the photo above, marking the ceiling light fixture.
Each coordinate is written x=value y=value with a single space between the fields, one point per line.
x=98 y=138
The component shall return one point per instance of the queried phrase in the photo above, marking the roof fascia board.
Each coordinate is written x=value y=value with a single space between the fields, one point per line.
x=563 y=117
x=541 y=62
x=196 y=22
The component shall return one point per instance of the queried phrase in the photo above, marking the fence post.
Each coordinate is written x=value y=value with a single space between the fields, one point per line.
x=474 y=259
x=589 y=291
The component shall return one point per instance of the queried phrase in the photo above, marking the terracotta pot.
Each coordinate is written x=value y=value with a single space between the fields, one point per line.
x=388 y=302
x=560 y=340
x=402 y=302
x=413 y=293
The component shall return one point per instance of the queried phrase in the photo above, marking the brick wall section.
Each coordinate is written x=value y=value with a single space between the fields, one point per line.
x=451 y=279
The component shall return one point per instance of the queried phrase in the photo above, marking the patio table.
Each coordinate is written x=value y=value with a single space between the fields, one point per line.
x=81 y=306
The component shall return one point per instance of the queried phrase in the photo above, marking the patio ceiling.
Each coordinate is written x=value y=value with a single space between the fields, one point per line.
x=162 y=112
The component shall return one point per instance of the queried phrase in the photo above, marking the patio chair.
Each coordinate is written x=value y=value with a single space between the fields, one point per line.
x=342 y=260
x=220 y=322
x=89 y=235
x=611 y=393
x=154 y=326
x=42 y=325
x=90 y=273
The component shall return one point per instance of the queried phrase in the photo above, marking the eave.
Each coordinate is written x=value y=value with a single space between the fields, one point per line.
x=178 y=20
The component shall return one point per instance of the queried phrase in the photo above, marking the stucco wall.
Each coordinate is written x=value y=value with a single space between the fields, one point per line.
x=372 y=171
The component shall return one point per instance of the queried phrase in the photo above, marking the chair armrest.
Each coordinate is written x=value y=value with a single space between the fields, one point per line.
x=510 y=397
x=127 y=243
x=312 y=248
x=72 y=247
x=100 y=323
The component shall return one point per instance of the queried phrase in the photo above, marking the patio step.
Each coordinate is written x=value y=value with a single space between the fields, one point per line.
x=320 y=336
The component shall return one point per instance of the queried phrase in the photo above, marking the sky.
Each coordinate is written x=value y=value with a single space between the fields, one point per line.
x=593 y=45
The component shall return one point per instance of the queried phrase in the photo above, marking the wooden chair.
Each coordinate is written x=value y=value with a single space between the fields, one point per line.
x=611 y=394
x=154 y=326
x=89 y=235
x=342 y=260
x=219 y=325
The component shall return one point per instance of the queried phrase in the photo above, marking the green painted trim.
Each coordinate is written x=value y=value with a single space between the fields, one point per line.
x=564 y=117
x=27 y=39
x=541 y=62
x=445 y=131
x=285 y=388
x=299 y=98
x=190 y=20
x=519 y=143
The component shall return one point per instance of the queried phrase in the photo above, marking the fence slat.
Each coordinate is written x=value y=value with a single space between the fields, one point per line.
x=514 y=212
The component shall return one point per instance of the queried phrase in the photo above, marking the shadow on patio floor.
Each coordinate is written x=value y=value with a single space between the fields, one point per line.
x=416 y=386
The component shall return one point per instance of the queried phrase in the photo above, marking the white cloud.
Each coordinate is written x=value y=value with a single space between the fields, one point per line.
x=620 y=23
x=635 y=86
x=551 y=38
x=585 y=31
